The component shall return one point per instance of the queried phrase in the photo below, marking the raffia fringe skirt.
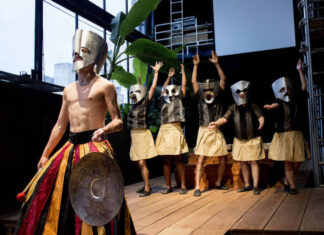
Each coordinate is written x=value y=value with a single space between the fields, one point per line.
x=171 y=140
x=248 y=150
x=47 y=209
x=210 y=143
x=142 y=145
x=288 y=146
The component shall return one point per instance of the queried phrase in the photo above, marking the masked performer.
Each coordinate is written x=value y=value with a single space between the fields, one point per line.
x=247 y=144
x=210 y=142
x=47 y=208
x=170 y=141
x=288 y=143
x=142 y=147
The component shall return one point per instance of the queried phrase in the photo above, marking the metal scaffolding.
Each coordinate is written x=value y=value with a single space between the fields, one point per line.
x=183 y=32
x=312 y=48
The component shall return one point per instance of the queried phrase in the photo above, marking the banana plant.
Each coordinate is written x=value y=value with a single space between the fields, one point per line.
x=143 y=51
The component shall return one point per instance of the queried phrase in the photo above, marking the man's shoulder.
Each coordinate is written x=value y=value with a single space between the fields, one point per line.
x=70 y=86
x=104 y=82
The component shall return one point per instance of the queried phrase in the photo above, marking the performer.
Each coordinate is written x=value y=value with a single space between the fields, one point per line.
x=171 y=142
x=247 y=144
x=210 y=142
x=288 y=142
x=47 y=209
x=142 y=147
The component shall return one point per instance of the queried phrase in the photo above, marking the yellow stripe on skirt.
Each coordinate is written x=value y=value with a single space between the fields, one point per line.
x=288 y=146
x=248 y=150
x=210 y=142
x=142 y=145
x=171 y=140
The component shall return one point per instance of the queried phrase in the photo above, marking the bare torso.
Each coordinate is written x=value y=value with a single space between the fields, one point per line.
x=87 y=108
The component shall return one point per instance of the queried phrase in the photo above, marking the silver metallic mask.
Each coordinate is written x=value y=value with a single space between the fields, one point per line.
x=240 y=92
x=92 y=49
x=208 y=88
x=282 y=89
x=137 y=92
x=169 y=92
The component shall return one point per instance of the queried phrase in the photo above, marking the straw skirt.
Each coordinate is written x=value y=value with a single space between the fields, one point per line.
x=171 y=140
x=288 y=146
x=210 y=143
x=248 y=150
x=142 y=145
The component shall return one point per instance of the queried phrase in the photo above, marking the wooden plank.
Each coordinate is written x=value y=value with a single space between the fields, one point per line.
x=178 y=215
x=313 y=220
x=289 y=215
x=203 y=214
x=167 y=210
x=259 y=215
x=225 y=219
x=166 y=201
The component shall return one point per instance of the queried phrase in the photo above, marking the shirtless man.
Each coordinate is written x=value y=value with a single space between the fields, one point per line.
x=47 y=208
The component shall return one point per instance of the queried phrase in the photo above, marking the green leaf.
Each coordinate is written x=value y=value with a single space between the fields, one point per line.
x=137 y=14
x=150 y=52
x=178 y=49
x=140 y=68
x=124 y=78
x=115 y=26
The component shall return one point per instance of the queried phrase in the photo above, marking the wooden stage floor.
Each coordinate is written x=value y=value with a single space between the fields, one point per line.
x=220 y=212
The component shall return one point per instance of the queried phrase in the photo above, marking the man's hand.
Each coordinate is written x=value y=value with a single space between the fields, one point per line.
x=196 y=59
x=214 y=58
x=42 y=161
x=267 y=106
x=171 y=72
x=98 y=135
x=261 y=122
x=212 y=125
x=299 y=65
x=157 y=66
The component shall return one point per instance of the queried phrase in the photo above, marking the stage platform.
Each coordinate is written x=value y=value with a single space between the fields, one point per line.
x=226 y=212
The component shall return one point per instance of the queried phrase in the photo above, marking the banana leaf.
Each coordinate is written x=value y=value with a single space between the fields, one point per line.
x=137 y=14
x=140 y=68
x=149 y=52
x=115 y=26
x=124 y=78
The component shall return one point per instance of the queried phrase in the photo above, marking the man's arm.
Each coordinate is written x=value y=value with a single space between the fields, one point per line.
x=116 y=123
x=184 y=81
x=220 y=122
x=194 y=82
x=156 y=69
x=57 y=132
x=220 y=71
x=271 y=106
x=171 y=74
x=301 y=75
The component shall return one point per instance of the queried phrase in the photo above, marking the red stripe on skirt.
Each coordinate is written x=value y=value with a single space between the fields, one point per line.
x=43 y=192
x=93 y=148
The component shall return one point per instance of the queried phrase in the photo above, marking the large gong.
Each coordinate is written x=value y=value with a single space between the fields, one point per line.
x=96 y=189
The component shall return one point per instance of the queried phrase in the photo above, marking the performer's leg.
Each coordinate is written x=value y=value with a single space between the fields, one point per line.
x=145 y=174
x=167 y=170
x=255 y=173
x=246 y=173
x=199 y=169
x=289 y=171
x=221 y=169
x=181 y=171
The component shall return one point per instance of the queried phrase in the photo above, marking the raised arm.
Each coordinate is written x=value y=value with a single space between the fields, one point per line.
x=221 y=74
x=184 y=81
x=271 y=106
x=301 y=75
x=156 y=69
x=171 y=74
x=116 y=123
x=194 y=82
x=57 y=132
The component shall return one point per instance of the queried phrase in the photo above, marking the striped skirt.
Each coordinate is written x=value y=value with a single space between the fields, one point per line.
x=47 y=209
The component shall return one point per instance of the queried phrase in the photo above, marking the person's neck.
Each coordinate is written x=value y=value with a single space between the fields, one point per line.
x=85 y=77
